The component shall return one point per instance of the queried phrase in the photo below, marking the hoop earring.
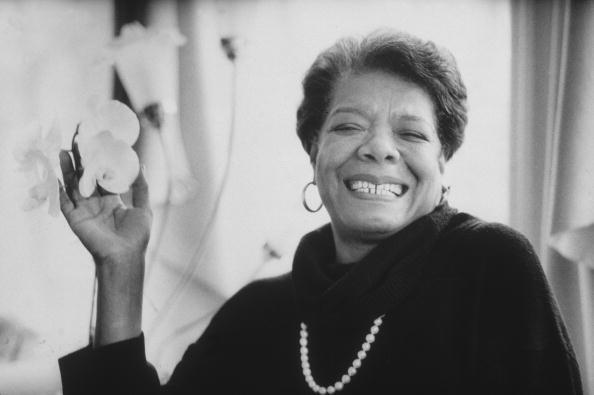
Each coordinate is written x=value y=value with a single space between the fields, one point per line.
x=304 y=199
x=445 y=192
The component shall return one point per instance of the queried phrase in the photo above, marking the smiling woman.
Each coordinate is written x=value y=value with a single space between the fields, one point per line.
x=49 y=51
x=397 y=112
x=453 y=304
x=378 y=160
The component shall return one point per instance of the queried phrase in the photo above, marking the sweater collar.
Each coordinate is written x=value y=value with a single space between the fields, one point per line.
x=371 y=286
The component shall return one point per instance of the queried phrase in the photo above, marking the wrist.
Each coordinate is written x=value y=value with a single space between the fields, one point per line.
x=119 y=299
x=120 y=259
x=122 y=277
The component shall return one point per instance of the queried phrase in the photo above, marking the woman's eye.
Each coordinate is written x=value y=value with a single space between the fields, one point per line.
x=413 y=135
x=348 y=127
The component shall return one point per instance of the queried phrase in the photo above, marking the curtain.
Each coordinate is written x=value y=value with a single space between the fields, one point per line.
x=552 y=168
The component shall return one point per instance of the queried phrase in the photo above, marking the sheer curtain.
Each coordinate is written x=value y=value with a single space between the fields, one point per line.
x=552 y=160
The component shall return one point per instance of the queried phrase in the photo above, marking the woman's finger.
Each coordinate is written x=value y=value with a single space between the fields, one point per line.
x=140 y=193
x=69 y=176
x=66 y=204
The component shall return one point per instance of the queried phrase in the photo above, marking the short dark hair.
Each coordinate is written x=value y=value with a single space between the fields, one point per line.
x=421 y=62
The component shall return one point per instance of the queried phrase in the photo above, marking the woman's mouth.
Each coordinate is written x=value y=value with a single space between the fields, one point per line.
x=386 y=189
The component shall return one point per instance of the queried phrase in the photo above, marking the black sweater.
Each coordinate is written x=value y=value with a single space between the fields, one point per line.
x=467 y=311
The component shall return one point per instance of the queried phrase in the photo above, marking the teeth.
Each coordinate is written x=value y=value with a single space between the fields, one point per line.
x=380 y=189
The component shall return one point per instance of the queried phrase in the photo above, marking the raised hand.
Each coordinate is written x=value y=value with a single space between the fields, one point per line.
x=116 y=235
x=108 y=228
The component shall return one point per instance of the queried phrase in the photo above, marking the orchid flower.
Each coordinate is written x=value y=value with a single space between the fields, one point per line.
x=146 y=60
x=104 y=141
x=38 y=158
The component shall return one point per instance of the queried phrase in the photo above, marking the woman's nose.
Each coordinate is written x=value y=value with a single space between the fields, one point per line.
x=380 y=146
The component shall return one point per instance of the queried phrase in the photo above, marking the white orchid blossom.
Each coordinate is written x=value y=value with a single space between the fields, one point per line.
x=104 y=141
x=38 y=160
x=146 y=60
x=133 y=33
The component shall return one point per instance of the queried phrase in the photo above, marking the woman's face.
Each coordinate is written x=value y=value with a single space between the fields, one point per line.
x=379 y=164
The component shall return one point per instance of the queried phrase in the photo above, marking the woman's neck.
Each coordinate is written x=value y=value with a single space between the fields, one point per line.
x=352 y=249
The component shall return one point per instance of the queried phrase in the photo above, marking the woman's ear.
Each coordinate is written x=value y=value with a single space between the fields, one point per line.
x=313 y=153
x=442 y=163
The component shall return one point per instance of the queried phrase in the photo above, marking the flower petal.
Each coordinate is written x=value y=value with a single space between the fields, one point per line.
x=114 y=117
x=46 y=188
x=36 y=162
x=115 y=179
x=31 y=204
x=110 y=163
x=32 y=135
x=87 y=183
x=53 y=197
x=36 y=196
x=52 y=142
x=133 y=33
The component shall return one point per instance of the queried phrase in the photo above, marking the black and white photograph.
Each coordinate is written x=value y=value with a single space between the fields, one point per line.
x=297 y=197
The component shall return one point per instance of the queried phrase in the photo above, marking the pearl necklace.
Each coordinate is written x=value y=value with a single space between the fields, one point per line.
x=352 y=370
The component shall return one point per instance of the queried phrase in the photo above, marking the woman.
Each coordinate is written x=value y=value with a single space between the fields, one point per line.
x=398 y=293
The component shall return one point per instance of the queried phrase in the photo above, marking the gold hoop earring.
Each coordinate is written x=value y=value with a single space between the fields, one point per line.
x=304 y=198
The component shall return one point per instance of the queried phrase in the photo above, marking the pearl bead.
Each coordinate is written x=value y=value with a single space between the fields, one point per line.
x=351 y=371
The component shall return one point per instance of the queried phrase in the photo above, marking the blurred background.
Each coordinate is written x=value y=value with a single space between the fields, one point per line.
x=226 y=168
